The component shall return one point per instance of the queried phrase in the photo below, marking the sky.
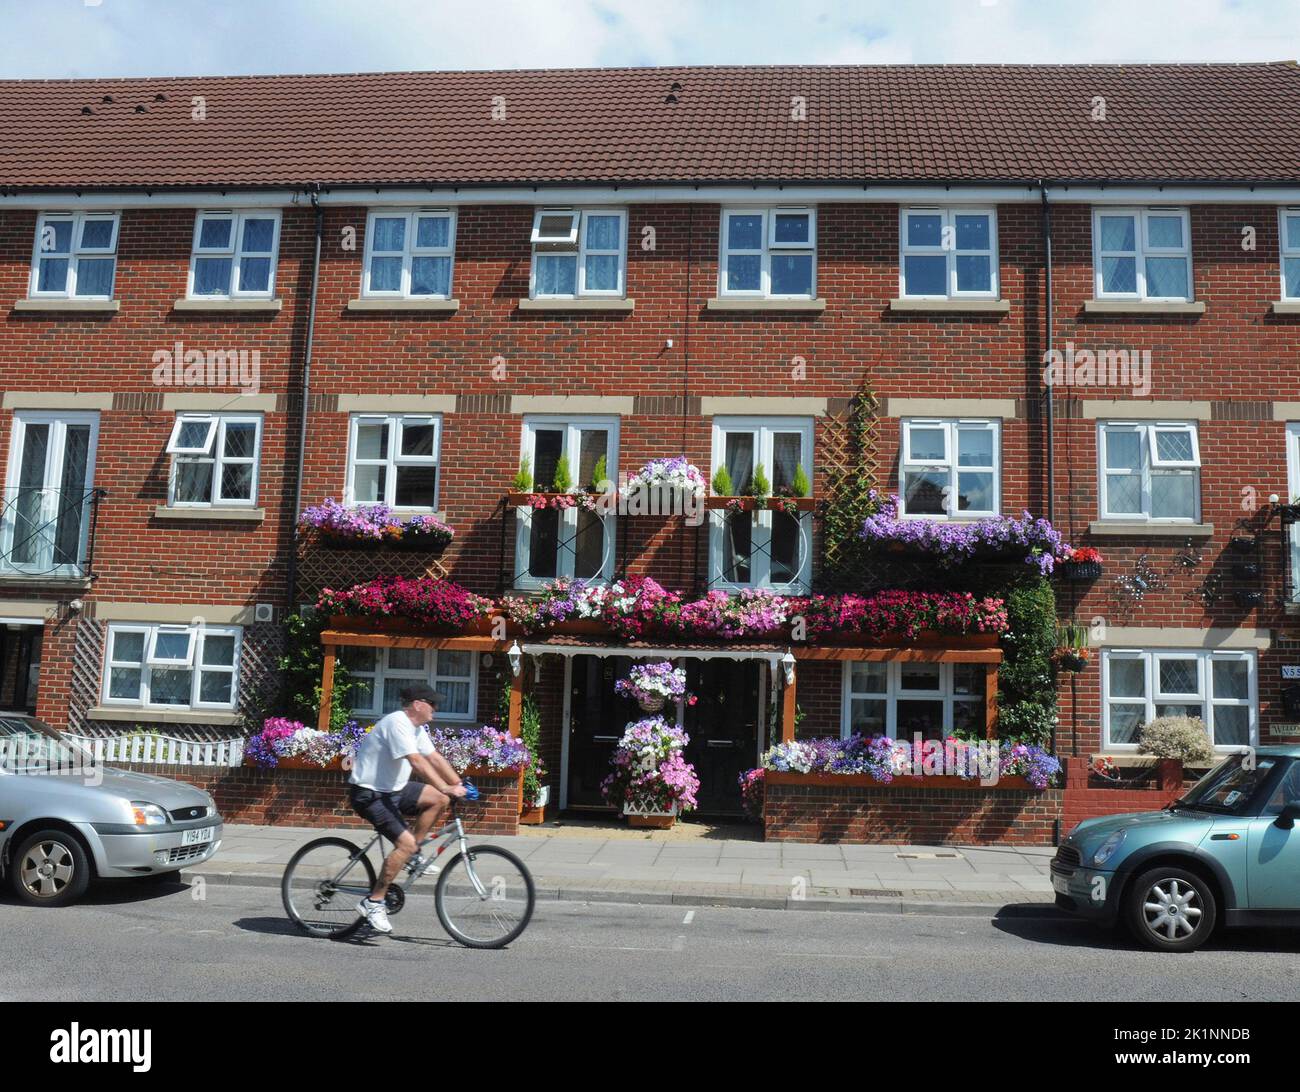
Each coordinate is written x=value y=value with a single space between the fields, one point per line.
x=55 y=39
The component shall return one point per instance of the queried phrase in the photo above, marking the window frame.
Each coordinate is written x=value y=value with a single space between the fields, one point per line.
x=393 y=459
x=566 y=558
x=948 y=215
x=1205 y=698
x=148 y=631
x=1147 y=432
x=430 y=674
x=952 y=427
x=1286 y=251
x=762 y=429
x=1142 y=251
x=409 y=252
x=894 y=692
x=78 y=219
x=578 y=246
x=235 y=251
x=769 y=214
x=215 y=452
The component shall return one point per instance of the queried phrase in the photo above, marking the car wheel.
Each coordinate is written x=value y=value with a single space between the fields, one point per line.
x=1170 y=909
x=50 y=868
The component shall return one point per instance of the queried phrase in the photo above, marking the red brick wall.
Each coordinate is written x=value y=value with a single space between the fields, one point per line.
x=1085 y=801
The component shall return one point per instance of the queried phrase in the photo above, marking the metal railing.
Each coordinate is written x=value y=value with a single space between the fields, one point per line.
x=48 y=532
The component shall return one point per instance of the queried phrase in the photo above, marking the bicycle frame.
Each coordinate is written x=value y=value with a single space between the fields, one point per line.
x=452 y=831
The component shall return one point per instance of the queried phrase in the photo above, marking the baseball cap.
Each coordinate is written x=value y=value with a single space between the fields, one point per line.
x=419 y=692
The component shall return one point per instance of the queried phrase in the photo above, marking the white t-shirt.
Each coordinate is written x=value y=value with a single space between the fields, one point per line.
x=380 y=762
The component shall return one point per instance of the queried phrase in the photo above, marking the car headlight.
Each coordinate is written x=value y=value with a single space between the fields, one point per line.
x=1107 y=848
x=147 y=815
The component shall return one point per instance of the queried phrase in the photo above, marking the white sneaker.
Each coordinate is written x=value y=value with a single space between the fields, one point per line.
x=376 y=915
x=418 y=865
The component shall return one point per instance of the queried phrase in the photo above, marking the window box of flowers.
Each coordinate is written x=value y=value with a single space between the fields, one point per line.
x=596 y=495
x=285 y=744
x=653 y=684
x=369 y=525
x=650 y=781
x=399 y=605
x=759 y=496
x=485 y=751
x=662 y=486
x=1081 y=564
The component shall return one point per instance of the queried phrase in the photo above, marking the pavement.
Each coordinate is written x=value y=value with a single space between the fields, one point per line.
x=698 y=864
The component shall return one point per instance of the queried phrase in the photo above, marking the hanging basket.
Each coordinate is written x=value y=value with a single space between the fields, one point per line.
x=1080 y=571
x=652 y=703
x=1071 y=662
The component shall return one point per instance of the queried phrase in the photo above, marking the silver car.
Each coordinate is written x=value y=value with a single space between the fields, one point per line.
x=64 y=818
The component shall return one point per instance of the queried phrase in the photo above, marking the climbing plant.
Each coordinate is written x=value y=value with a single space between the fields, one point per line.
x=300 y=673
x=849 y=468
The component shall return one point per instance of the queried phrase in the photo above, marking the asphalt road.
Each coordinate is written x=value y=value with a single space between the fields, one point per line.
x=125 y=941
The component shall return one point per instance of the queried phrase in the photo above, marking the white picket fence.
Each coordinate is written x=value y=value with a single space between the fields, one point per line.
x=165 y=750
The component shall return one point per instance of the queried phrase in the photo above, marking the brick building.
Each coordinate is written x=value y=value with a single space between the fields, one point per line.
x=439 y=273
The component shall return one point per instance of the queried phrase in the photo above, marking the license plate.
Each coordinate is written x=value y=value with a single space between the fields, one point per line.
x=197 y=836
x=1060 y=884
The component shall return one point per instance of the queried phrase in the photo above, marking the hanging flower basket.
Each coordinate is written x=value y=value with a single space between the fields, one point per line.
x=651 y=703
x=1079 y=572
x=1071 y=661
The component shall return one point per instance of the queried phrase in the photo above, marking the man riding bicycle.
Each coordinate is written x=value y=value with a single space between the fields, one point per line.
x=380 y=789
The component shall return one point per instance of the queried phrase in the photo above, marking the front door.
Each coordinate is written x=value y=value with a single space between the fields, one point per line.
x=597 y=717
x=20 y=662
x=724 y=726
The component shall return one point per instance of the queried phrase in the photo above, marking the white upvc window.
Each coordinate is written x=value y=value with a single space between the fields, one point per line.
x=75 y=256
x=1149 y=471
x=904 y=698
x=578 y=252
x=1143 y=254
x=566 y=542
x=378 y=676
x=393 y=460
x=950 y=467
x=948 y=253
x=766 y=549
x=234 y=254
x=1220 y=688
x=409 y=254
x=1293 y=490
x=171 y=666
x=214 y=459
x=1289 y=245
x=768 y=253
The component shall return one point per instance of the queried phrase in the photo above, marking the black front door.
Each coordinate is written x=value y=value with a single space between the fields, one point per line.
x=723 y=726
x=597 y=717
x=20 y=662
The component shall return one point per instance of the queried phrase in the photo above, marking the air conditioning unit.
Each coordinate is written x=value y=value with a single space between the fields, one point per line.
x=264 y=612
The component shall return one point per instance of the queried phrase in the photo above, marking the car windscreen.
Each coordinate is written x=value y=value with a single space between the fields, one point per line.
x=24 y=750
x=1229 y=787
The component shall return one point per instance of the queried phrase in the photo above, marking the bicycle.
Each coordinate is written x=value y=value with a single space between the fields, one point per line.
x=478 y=907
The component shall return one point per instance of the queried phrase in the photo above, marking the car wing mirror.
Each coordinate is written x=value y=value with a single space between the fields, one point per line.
x=1289 y=814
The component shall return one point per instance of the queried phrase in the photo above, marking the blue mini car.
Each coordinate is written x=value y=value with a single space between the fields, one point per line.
x=1226 y=853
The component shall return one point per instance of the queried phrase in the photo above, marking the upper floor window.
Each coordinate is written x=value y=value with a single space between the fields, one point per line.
x=1150 y=471
x=1142 y=253
x=761 y=548
x=409 y=254
x=393 y=460
x=948 y=253
x=173 y=666
x=578 y=252
x=75 y=255
x=1217 y=687
x=768 y=253
x=1289 y=239
x=949 y=467
x=214 y=459
x=570 y=542
x=377 y=676
x=234 y=254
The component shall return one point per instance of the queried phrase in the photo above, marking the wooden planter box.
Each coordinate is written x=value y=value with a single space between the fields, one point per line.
x=750 y=504
x=297 y=762
x=866 y=781
x=534 y=816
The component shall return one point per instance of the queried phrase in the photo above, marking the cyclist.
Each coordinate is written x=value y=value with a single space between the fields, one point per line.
x=380 y=789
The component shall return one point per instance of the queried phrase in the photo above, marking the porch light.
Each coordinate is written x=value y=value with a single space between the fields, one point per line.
x=787 y=665
x=516 y=658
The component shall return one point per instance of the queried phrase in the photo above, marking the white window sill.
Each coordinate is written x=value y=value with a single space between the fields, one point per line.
x=67 y=305
x=214 y=513
x=1143 y=307
x=198 y=304
x=585 y=303
x=756 y=303
x=953 y=306
x=1141 y=529
x=145 y=715
x=1286 y=307
x=381 y=303
x=12 y=579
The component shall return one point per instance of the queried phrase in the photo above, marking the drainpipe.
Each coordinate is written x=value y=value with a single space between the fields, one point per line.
x=306 y=395
x=1047 y=348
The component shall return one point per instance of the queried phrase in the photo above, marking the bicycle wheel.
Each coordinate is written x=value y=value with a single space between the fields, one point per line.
x=323 y=884
x=497 y=916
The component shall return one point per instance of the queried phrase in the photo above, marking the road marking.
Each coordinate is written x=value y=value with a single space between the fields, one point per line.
x=690 y=917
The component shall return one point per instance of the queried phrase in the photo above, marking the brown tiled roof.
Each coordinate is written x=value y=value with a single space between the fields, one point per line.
x=1220 y=123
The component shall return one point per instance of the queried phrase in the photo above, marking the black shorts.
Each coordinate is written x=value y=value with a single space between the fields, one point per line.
x=385 y=810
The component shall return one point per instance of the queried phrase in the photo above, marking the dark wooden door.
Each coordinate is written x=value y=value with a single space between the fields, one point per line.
x=597 y=717
x=723 y=726
x=19 y=666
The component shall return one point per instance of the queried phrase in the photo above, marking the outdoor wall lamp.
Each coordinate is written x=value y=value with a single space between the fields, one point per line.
x=787 y=665
x=516 y=658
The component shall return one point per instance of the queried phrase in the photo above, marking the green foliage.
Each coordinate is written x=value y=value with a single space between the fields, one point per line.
x=800 y=486
x=300 y=669
x=722 y=486
x=848 y=491
x=1027 y=697
x=1073 y=636
x=523 y=482
x=599 y=474
x=563 y=480
x=530 y=731
x=1184 y=738
x=759 y=485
